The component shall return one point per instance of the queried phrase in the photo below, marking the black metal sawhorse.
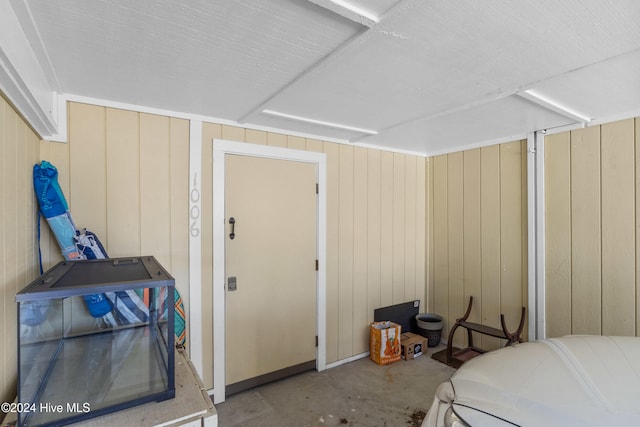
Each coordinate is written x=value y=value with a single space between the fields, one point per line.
x=511 y=337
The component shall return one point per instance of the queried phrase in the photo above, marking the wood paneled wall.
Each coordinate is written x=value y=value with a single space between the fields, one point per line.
x=126 y=177
x=456 y=222
x=592 y=196
x=18 y=235
x=376 y=234
x=477 y=236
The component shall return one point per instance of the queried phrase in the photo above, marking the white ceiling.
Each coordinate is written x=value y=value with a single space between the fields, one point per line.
x=429 y=76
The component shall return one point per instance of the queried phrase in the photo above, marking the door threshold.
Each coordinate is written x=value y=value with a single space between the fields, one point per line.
x=269 y=377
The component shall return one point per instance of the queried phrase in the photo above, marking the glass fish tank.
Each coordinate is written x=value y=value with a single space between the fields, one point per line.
x=94 y=337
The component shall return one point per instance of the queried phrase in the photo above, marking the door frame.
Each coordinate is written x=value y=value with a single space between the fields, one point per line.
x=220 y=150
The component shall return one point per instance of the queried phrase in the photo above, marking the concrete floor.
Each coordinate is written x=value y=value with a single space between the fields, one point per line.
x=359 y=393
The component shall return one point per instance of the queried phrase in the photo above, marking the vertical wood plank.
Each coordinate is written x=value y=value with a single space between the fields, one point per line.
x=430 y=231
x=586 y=254
x=398 y=227
x=21 y=202
x=410 y=228
x=490 y=236
x=276 y=139
x=209 y=132
x=345 y=275
x=88 y=177
x=637 y=147
x=9 y=216
x=374 y=208
x=232 y=133
x=455 y=237
x=155 y=219
x=524 y=231
x=12 y=235
x=44 y=148
x=360 y=252
x=179 y=201
x=23 y=187
x=441 y=240
x=420 y=236
x=313 y=145
x=386 y=231
x=333 y=246
x=58 y=155
x=45 y=244
x=255 y=136
x=123 y=183
x=558 y=234
x=472 y=242
x=28 y=210
x=296 y=142
x=33 y=145
x=5 y=393
x=618 y=219
x=510 y=233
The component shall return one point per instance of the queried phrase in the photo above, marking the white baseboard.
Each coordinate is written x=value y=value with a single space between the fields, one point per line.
x=347 y=360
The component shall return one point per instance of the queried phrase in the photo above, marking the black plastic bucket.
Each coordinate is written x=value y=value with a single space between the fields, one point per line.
x=430 y=327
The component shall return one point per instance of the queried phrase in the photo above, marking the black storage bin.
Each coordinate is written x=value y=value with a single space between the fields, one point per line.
x=430 y=327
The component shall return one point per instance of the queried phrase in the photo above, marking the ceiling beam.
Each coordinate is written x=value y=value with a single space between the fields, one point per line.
x=346 y=10
x=23 y=13
x=347 y=46
x=490 y=97
x=319 y=122
x=356 y=39
x=23 y=80
x=553 y=105
x=526 y=92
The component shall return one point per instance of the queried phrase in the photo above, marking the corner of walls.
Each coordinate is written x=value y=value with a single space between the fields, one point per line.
x=429 y=235
x=476 y=225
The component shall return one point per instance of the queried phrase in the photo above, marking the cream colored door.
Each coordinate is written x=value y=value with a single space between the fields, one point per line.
x=271 y=256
